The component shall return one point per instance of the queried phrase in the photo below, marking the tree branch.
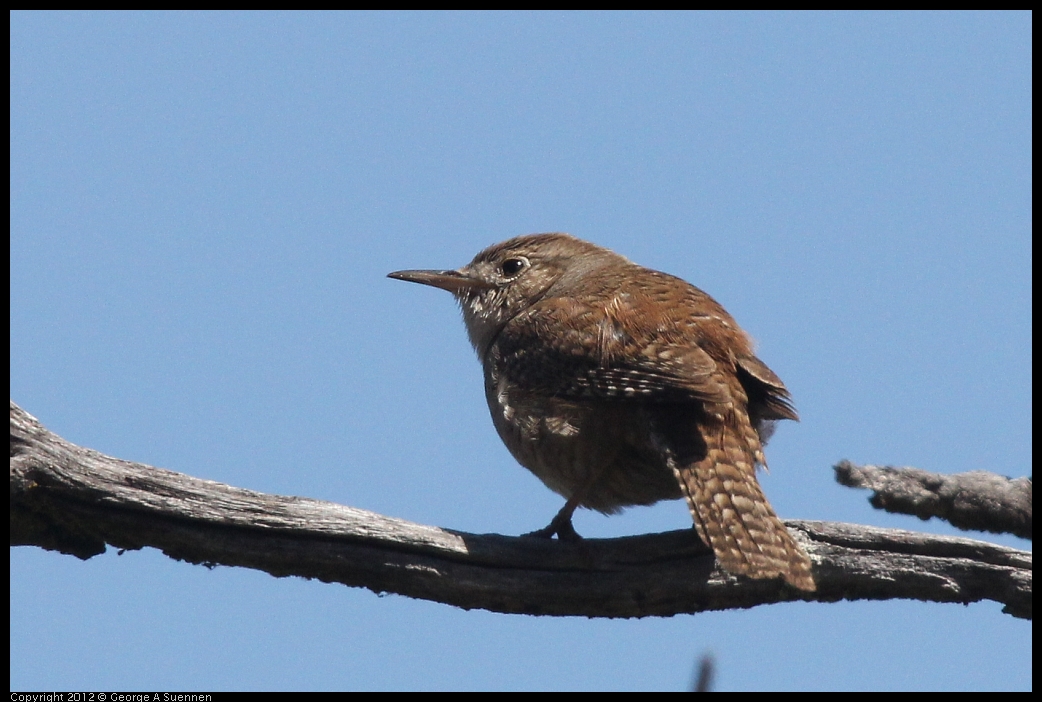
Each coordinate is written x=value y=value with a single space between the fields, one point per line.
x=75 y=500
x=975 y=500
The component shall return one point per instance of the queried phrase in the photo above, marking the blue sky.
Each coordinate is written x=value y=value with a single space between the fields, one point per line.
x=204 y=207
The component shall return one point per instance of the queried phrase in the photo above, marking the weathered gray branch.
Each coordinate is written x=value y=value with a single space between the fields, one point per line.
x=976 y=500
x=75 y=500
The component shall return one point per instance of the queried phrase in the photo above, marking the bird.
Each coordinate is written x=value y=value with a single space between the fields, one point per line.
x=618 y=385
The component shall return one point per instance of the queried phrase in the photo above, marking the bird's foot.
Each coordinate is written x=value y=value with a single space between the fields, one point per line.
x=561 y=526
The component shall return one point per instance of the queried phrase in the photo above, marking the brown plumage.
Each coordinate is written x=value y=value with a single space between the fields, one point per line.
x=618 y=385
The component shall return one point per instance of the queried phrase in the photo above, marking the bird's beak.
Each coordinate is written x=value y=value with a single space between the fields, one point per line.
x=453 y=281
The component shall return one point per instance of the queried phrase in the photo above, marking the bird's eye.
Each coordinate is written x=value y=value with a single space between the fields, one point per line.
x=513 y=266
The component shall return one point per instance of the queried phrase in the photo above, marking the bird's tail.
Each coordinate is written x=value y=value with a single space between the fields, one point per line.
x=733 y=516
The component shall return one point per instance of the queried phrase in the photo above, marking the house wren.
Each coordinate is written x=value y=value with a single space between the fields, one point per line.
x=618 y=385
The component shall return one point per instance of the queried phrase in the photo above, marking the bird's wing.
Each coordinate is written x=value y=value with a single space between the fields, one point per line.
x=567 y=348
x=766 y=391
